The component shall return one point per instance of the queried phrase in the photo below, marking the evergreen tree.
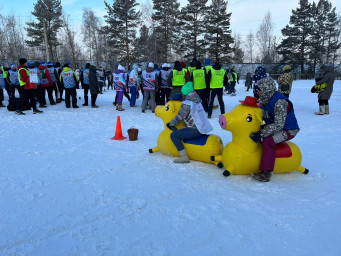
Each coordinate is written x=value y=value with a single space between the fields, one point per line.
x=165 y=17
x=295 y=45
x=192 y=28
x=217 y=31
x=332 y=36
x=122 y=19
x=50 y=13
x=143 y=46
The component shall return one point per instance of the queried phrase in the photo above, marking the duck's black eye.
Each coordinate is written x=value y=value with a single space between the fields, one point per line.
x=249 y=119
x=167 y=108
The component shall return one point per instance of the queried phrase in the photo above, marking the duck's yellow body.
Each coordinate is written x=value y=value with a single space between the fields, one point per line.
x=243 y=155
x=200 y=149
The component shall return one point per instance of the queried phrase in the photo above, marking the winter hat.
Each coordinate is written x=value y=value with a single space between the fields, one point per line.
x=22 y=61
x=187 y=88
x=150 y=65
x=177 y=64
x=87 y=66
x=168 y=65
x=164 y=65
x=43 y=64
x=286 y=67
x=139 y=70
x=12 y=65
x=268 y=87
x=198 y=65
x=57 y=65
x=207 y=62
x=30 y=64
x=37 y=64
x=68 y=64
x=120 y=68
x=183 y=64
x=49 y=63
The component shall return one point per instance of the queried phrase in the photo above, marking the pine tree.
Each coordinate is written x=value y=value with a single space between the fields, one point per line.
x=217 y=31
x=295 y=45
x=192 y=28
x=122 y=19
x=143 y=46
x=166 y=13
x=50 y=13
x=332 y=36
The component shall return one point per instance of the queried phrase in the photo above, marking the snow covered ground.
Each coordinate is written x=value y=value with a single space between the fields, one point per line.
x=67 y=189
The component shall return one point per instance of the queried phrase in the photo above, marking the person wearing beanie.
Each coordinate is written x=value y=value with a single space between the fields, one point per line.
x=69 y=80
x=29 y=88
x=3 y=77
x=192 y=67
x=199 y=82
x=46 y=83
x=120 y=86
x=177 y=78
x=216 y=80
x=13 y=81
x=150 y=85
x=164 y=89
x=280 y=125
x=84 y=79
x=285 y=81
x=192 y=113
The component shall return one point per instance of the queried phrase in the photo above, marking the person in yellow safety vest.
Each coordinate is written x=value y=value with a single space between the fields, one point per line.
x=177 y=78
x=234 y=79
x=208 y=66
x=199 y=84
x=28 y=91
x=216 y=79
x=192 y=66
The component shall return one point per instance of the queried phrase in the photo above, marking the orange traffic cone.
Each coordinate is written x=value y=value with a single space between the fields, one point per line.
x=118 y=132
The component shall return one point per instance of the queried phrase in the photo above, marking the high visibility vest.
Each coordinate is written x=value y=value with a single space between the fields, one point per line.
x=22 y=83
x=199 y=79
x=2 y=79
x=191 y=69
x=13 y=77
x=178 y=77
x=208 y=68
x=217 y=78
x=68 y=79
x=234 y=77
x=148 y=80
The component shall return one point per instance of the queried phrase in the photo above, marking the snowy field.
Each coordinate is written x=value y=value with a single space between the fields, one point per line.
x=67 y=189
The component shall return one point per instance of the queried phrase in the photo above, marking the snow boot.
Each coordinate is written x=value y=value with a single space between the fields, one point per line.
x=321 y=110
x=20 y=113
x=85 y=104
x=326 y=109
x=94 y=106
x=119 y=105
x=42 y=106
x=262 y=176
x=183 y=157
x=2 y=105
x=37 y=111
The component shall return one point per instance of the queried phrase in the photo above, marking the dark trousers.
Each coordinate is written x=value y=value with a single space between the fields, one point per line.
x=70 y=92
x=61 y=90
x=204 y=95
x=219 y=93
x=55 y=90
x=49 y=91
x=183 y=134
x=39 y=94
x=93 y=99
x=158 y=98
x=164 y=95
x=1 y=95
x=232 y=86
x=28 y=95
x=86 y=91
x=101 y=84
x=323 y=102
x=19 y=89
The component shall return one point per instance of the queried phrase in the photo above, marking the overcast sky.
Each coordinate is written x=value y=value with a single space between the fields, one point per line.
x=246 y=14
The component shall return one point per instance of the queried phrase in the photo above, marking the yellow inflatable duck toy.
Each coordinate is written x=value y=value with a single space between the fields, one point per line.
x=242 y=155
x=199 y=149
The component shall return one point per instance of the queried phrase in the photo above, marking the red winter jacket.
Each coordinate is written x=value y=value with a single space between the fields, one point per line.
x=48 y=81
x=24 y=77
